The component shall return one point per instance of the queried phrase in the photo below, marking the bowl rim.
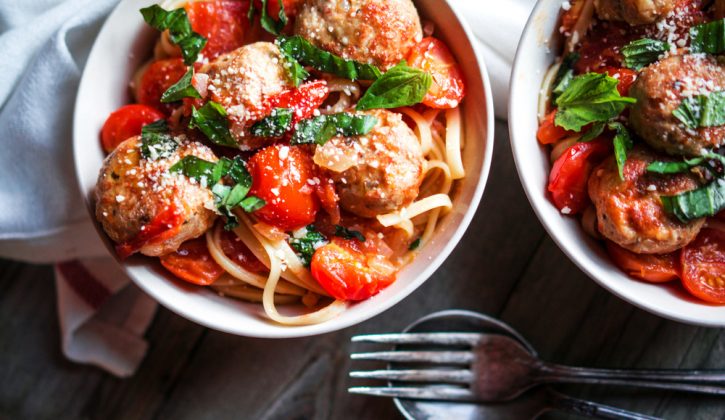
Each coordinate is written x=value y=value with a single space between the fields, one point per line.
x=575 y=250
x=488 y=120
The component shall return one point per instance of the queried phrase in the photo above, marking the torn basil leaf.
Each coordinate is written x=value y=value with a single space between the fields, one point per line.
x=708 y=37
x=275 y=125
x=269 y=24
x=343 y=232
x=400 y=86
x=306 y=243
x=643 y=52
x=564 y=76
x=156 y=142
x=622 y=144
x=181 y=89
x=596 y=131
x=590 y=98
x=309 y=55
x=414 y=245
x=702 y=110
x=211 y=119
x=319 y=130
x=196 y=168
x=665 y=168
x=702 y=202
x=177 y=23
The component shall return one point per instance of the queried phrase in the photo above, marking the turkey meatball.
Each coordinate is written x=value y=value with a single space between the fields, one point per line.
x=135 y=194
x=634 y=12
x=630 y=212
x=659 y=91
x=378 y=32
x=377 y=173
x=242 y=80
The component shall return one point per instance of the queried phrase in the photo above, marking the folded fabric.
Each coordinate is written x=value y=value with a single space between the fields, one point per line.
x=42 y=215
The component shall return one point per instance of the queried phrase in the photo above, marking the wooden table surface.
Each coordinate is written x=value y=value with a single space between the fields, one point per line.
x=506 y=266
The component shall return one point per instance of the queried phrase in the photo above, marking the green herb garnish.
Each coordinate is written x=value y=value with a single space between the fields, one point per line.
x=319 y=130
x=399 y=86
x=643 y=52
x=306 y=245
x=666 y=168
x=590 y=98
x=702 y=202
x=708 y=37
x=179 y=27
x=622 y=144
x=702 y=110
x=414 y=245
x=275 y=125
x=565 y=75
x=211 y=119
x=156 y=142
x=346 y=233
x=181 y=89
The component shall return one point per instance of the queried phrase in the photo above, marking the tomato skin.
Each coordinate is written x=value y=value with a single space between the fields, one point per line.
x=703 y=266
x=549 y=132
x=625 y=76
x=158 y=77
x=193 y=263
x=237 y=251
x=433 y=56
x=162 y=226
x=280 y=176
x=570 y=173
x=651 y=268
x=290 y=7
x=223 y=23
x=304 y=100
x=126 y=122
x=345 y=273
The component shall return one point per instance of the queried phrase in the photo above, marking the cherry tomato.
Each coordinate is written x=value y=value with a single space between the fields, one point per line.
x=348 y=274
x=549 y=132
x=162 y=226
x=125 y=123
x=433 y=56
x=280 y=176
x=648 y=267
x=703 y=266
x=570 y=173
x=234 y=248
x=290 y=7
x=159 y=76
x=626 y=78
x=304 y=100
x=223 y=23
x=193 y=263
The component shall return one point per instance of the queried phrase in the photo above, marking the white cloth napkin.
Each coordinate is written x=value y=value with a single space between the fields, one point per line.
x=45 y=42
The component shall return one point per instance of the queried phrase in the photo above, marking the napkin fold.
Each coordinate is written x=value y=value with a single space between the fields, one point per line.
x=42 y=219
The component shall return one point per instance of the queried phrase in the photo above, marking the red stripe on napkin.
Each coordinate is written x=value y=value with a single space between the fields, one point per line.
x=84 y=284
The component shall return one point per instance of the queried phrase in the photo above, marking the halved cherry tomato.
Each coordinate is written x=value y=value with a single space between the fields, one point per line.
x=348 y=274
x=193 y=263
x=234 y=248
x=652 y=268
x=626 y=78
x=433 y=56
x=223 y=23
x=570 y=173
x=162 y=226
x=158 y=77
x=304 y=100
x=280 y=176
x=549 y=132
x=126 y=122
x=703 y=266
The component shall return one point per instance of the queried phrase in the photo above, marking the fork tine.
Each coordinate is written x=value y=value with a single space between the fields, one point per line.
x=462 y=376
x=442 y=357
x=422 y=393
x=444 y=339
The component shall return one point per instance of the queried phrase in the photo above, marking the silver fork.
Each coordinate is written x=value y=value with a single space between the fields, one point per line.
x=495 y=368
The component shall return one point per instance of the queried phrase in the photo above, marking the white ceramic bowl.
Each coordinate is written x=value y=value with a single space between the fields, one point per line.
x=125 y=41
x=537 y=51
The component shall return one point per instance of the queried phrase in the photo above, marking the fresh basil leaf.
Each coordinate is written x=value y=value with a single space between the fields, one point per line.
x=321 y=129
x=221 y=192
x=622 y=144
x=414 y=245
x=346 y=233
x=702 y=202
x=400 y=86
x=564 y=76
x=196 y=168
x=661 y=167
x=252 y=204
x=238 y=173
x=181 y=89
x=643 y=52
x=309 y=55
x=211 y=119
x=306 y=244
x=708 y=37
x=270 y=25
x=221 y=169
x=702 y=110
x=179 y=27
x=156 y=142
x=590 y=98
x=275 y=125
x=596 y=131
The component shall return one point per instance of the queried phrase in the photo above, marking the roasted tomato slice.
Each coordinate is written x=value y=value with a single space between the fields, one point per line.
x=304 y=100
x=158 y=77
x=549 y=132
x=570 y=173
x=282 y=176
x=433 y=56
x=346 y=273
x=703 y=266
x=223 y=23
x=651 y=268
x=193 y=263
x=237 y=251
x=125 y=123
x=162 y=226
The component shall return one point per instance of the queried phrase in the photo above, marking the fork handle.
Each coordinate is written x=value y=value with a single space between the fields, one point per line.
x=571 y=405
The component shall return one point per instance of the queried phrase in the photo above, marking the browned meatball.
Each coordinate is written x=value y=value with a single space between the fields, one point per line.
x=377 y=173
x=378 y=32
x=630 y=212
x=659 y=91
x=242 y=80
x=634 y=12
x=131 y=191
x=719 y=9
